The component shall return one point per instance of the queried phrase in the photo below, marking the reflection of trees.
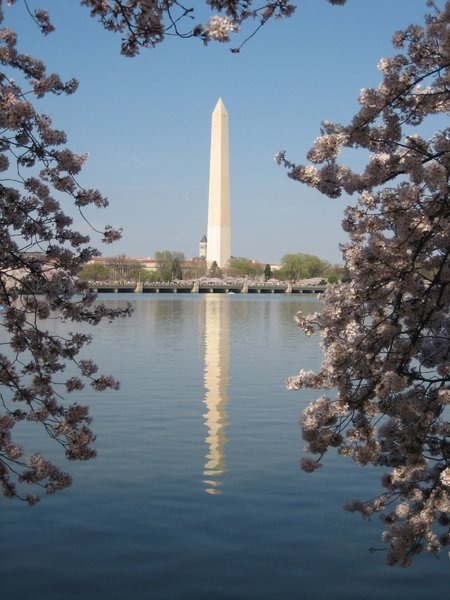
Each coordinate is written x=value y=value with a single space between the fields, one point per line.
x=307 y=303
x=169 y=316
x=217 y=333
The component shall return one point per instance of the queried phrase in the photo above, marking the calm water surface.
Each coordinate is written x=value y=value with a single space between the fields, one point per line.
x=196 y=492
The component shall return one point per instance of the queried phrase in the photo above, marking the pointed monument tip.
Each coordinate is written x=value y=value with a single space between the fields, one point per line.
x=220 y=105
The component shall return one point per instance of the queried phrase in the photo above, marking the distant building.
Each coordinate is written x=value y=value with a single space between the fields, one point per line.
x=149 y=264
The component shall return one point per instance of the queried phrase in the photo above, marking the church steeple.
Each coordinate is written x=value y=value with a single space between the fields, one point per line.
x=202 y=247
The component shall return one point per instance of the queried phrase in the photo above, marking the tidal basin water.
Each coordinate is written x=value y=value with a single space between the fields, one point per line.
x=197 y=492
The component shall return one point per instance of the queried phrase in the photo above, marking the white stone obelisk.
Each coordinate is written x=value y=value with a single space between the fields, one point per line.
x=219 y=236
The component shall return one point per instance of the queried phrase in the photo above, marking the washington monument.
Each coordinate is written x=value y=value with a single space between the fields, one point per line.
x=219 y=239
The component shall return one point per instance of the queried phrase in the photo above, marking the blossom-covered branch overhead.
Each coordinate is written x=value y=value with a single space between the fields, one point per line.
x=147 y=23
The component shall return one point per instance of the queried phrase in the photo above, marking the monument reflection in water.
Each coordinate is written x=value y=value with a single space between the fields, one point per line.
x=217 y=352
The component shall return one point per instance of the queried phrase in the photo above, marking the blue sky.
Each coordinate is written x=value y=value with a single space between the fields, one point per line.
x=146 y=121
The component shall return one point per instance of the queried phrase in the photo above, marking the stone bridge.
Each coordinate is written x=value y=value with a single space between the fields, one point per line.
x=201 y=287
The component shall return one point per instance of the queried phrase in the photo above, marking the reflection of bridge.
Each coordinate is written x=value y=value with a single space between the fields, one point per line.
x=183 y=287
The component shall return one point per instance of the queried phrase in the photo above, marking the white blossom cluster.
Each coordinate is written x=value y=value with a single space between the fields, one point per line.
x=219 y=28
x=386 y=334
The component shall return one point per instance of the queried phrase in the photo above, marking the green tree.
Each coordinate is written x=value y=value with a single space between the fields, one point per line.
x=169 y=264
x=149 y=276
x=346 y=275
x=197 y=269
x=267 y=272
x=334 y=273
x=242 y=267
x=177 y=272
x=301 y=266
x=214 y=270
x=94 y=272
x=164 y=258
